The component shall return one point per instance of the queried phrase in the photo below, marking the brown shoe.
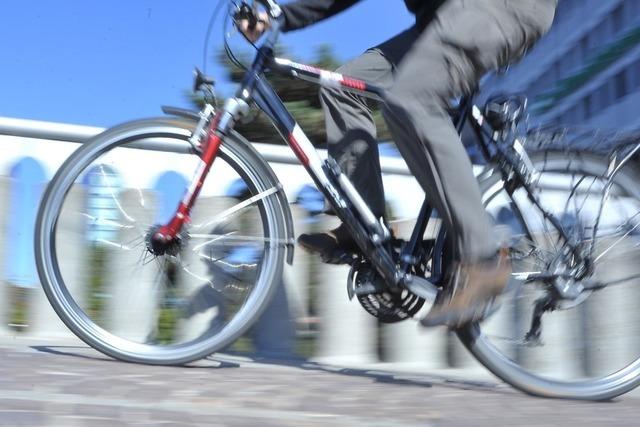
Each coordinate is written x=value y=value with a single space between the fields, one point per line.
x=471 y=294
x=334 y=246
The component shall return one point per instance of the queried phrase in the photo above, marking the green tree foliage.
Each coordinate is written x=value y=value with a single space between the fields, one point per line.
x=300 y=97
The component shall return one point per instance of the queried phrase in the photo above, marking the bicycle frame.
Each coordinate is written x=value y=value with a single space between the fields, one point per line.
x=370 y=233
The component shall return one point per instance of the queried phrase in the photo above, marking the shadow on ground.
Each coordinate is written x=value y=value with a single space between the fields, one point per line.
x=222 y=361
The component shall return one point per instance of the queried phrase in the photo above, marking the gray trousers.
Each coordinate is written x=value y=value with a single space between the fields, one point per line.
x=422 y=71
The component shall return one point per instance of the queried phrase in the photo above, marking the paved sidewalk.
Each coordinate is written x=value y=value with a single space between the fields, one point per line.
x=67 y=384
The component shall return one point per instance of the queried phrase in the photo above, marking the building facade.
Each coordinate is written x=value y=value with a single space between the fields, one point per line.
x=585 y=71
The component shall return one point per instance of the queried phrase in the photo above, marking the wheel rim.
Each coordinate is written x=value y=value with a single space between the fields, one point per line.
x=581 y=363
x=178 y=306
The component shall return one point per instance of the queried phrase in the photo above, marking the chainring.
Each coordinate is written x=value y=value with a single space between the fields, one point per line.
x=374 y=296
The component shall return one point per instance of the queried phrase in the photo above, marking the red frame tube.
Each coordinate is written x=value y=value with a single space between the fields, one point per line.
x=168 y=232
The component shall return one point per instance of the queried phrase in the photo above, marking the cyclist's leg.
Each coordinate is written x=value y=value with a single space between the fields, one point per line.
x=351 y=135
x=467 y=39
x=351 y=132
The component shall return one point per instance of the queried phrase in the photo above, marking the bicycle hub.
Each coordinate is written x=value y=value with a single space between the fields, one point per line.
x=159 y=243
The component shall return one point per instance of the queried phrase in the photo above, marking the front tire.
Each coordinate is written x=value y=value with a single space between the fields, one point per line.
x=91 y=244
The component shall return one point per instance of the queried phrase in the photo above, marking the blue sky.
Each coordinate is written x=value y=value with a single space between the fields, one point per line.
x=104 y=62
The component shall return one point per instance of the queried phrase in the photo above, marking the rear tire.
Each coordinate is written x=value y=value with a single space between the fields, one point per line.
x=576 y=360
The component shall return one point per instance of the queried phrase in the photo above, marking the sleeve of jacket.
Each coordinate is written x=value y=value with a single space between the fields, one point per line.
x=300 y=13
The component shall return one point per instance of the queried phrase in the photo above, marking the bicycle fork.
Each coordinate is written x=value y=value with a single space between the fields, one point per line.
x=219 y=123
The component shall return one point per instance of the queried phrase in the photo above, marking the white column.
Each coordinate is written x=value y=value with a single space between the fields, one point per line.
x=612 y=315
x=410 y=344
x=347 y=332
x=559 y=355
x=296 y=275
x=72 y=251
x=5 y=185
x=501 y=330
x=407 y=342
x=195 y=273
x=134 y=287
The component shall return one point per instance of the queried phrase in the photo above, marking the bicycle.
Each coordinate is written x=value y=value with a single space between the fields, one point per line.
x=558 y=255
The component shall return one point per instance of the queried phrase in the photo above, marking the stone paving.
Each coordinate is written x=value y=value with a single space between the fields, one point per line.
x=67 y=384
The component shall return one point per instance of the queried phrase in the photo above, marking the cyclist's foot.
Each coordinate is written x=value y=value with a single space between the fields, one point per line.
x=471 y=294
x=334 y=247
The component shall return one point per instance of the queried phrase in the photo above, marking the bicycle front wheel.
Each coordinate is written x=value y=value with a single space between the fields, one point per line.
x=93 y=250
x=586 y=345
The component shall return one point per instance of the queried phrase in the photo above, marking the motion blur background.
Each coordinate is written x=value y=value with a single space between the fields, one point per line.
x=72 y=68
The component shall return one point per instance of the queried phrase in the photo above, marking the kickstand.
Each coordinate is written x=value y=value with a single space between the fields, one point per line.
x=546 y=303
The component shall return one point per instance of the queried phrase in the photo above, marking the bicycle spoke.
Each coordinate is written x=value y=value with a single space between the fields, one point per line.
x=238 y=208
x=617 y=281
x=603 y=253
x=226 y=263
x=196 y=276
x=114 y=244
x=107 y=179
x=584 y=201
x=230 y=238
x=94 y=220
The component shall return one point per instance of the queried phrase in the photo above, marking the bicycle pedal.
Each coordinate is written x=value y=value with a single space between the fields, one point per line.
x=368 y=289
x=421 y=287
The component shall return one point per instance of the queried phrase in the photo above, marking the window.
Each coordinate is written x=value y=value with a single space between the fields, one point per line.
x=631 y=8
x=587 y=105
x=602 y=97
x=564 y=9
x=27 y=183
x=538 y=86
x=601 y=34
x=567 y=63
x=617 y=18
x=620 y=85
x=633 y=76
x=584 y=48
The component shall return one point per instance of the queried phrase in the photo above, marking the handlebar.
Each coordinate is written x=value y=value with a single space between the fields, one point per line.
x=250 y=13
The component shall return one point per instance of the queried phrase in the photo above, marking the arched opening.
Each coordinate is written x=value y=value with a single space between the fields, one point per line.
x=27 y=183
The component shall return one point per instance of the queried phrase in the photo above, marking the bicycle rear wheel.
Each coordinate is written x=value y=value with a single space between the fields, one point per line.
x=92 y=244
x=588 y=346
